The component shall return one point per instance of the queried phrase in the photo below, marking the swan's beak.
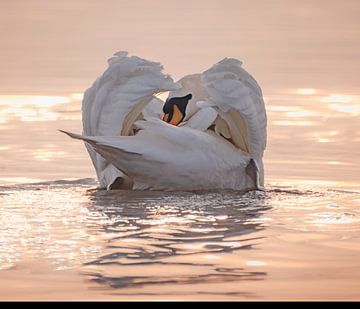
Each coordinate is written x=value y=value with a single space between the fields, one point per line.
x=165 y=117
x=175 y=117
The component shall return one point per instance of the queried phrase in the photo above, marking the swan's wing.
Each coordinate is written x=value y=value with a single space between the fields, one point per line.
x=115 y=101
x=121 y=92
x=238 y=98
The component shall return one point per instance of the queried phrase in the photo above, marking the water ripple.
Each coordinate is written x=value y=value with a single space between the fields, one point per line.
x=126 y=242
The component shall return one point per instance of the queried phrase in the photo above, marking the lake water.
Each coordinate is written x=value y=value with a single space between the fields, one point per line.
x=61 y=238
x=66 y=240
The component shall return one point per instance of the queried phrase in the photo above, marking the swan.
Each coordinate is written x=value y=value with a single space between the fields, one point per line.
x=210 y=133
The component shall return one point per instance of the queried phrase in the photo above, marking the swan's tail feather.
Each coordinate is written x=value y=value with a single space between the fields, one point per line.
x=101 y=143
x=72 y=135
x=118 y=151
x=113 y=177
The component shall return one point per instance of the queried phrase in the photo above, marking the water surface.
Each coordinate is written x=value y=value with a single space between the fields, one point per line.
x=64 y=239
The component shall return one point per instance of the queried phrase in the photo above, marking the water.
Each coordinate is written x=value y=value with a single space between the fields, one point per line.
x=282 y=243
x=61 y=238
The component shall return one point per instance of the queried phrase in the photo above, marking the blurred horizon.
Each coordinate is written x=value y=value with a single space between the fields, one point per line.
x=61 y=46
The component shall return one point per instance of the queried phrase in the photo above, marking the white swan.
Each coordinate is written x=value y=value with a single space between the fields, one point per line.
x=210 y=134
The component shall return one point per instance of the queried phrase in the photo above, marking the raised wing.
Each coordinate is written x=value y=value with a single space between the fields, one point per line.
x=237 y=97
x=116 y=100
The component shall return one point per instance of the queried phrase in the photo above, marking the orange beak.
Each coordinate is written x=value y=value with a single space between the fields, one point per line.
x=177 y=117
x=165 y=117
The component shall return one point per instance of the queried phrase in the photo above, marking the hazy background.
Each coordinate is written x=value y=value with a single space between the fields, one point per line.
x=63 y=45
x=304 y=54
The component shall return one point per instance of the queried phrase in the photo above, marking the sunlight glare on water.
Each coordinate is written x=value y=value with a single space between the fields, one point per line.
x=153 y=244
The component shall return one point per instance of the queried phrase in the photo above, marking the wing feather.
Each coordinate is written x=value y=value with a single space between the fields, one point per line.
x=116 y=99
x=238 y=97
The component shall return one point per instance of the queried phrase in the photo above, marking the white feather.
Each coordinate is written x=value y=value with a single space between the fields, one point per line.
x=128 y=85
x=202 y=119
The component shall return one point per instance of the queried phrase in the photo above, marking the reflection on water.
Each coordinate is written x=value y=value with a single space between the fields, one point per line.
x=314 y=137
x=34 y=108
x=306 y=91
x=351 y=109
x=182 y=235
x=32 y=100
x=219 y=244
x=47 y=222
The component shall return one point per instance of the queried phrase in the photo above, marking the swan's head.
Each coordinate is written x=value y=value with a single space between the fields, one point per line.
x=174 y=109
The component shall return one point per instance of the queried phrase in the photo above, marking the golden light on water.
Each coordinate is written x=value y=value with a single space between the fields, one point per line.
x=350 y=109
x=302 y=123
x=311 y=182
x=280 y=108
x=337 y=98
x=212 y=257
x=325 y=137
x=306 y=91
x=254 y=263
x=32 y=108
x=48 y=155
x=77 y=96
x=336 y=163
x=28 y=114
x=32 y=100
x=15 y=180
x=301 y=114
x=349 y=104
